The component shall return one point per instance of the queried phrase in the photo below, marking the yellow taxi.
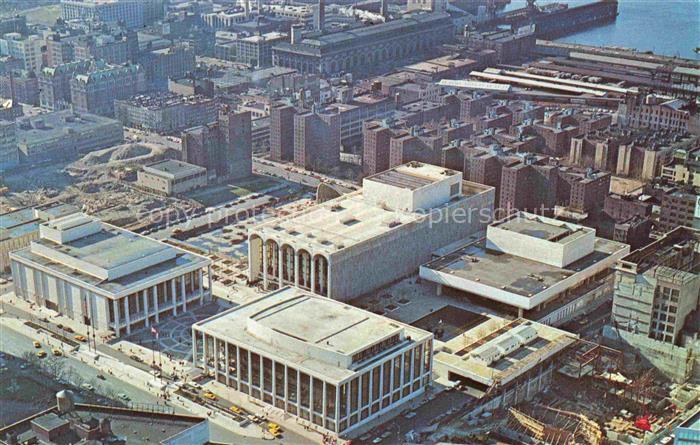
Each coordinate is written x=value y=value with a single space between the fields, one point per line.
x=57 y=352
x=209 y=395
x=80 y=338
x=36 y=344
x=41 y=354
x=236 y=409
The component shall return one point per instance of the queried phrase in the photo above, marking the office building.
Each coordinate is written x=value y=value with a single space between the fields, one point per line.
x=679 y=207
x=174 y=62
x=115 y=48
x=171 y=177
x=333 y=376
x=361 y=241
x=656 y=112
x=544 y=269
x=130 y=12
x=282 y=132
x=26 y=48
x=364 y=49
x=317 y=139
x=65 y=134
x=655 y=304
x=254 y=50
x=166 y=112
x=95 y=92
x=224 y=148
x=21 y=86
x=106 y=277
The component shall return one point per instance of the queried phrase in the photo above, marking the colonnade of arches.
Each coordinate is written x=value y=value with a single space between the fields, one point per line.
x=281 y=265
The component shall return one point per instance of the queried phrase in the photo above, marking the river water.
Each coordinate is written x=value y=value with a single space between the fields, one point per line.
x=668 y=27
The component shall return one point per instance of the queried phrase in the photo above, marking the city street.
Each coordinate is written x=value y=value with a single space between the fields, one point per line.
x=13 y=342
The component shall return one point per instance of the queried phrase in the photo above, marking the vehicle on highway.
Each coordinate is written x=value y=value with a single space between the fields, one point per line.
x=41 y=354
x=57 y=352
x=101 y=377
x=36 y=344
x=68 y=329
x=80 y=338
x=123 y=396
x=87 y=387
x=209 y=395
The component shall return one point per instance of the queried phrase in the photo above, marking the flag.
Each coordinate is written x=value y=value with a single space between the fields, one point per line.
x=154 y=331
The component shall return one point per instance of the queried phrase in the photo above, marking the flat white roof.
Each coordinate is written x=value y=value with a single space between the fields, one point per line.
x=514 y=280
x=109 y=259
x=311 y=332
x=351 y=218
x=458 y=354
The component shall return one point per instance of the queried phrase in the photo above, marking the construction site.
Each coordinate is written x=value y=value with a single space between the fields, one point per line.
x=596 y=396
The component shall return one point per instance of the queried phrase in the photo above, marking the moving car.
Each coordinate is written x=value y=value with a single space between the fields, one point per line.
x=80 y=338
x=36 y=344
x=87 y=387
x=57 y=352
x=209 y=395
x=236 y=409
x=41 y=354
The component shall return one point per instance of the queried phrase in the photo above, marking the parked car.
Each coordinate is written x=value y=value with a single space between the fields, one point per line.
x=87 y=387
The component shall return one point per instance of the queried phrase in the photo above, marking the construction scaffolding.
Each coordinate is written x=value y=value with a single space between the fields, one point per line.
x=555 y=426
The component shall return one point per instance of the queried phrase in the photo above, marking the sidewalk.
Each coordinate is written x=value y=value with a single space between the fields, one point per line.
x=133 y=376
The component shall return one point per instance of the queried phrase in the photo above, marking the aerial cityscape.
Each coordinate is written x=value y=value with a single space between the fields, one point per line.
x=298 y=222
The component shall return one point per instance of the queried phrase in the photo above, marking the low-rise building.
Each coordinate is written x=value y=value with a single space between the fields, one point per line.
x=360 y=241
x=166 y=112
x=501 y=362
x=547 y=270
x=171 y=177
x=680 y=206
x=63 y=134
x=335 y=376
x=107 y=277
x=19 y=227
x=71 y=422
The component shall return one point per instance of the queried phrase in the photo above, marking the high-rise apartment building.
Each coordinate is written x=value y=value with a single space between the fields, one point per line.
x=224 y=148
